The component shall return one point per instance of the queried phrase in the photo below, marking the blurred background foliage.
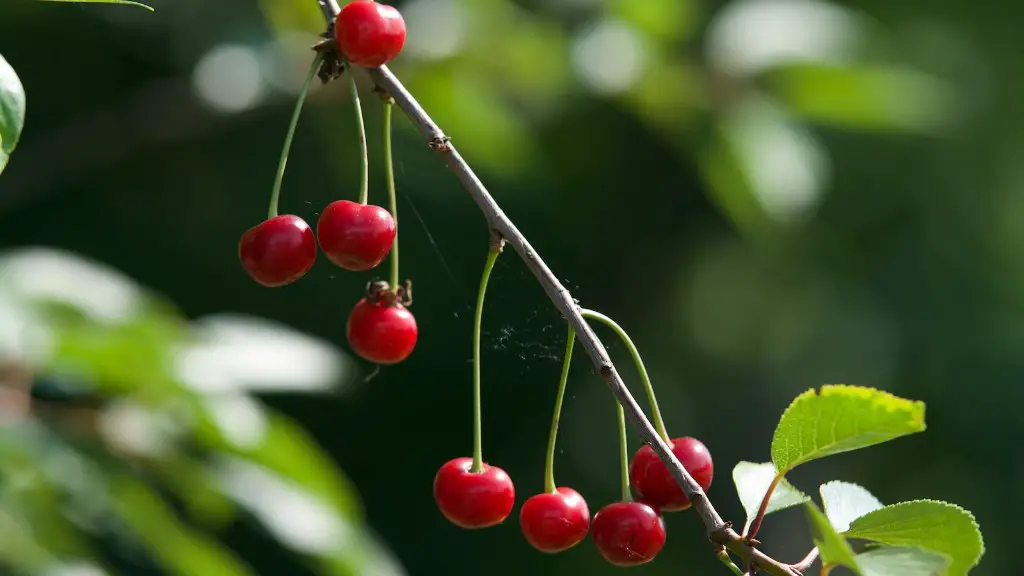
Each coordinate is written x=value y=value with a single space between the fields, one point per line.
x=769 y=194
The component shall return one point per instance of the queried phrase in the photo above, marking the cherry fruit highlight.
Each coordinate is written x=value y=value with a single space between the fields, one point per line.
x=652 y=482
x=278 y=251
x=555 y=521
x=355 y=236
x=369 y=34
x=381 y=332
x=473 y=499
x=628 y=533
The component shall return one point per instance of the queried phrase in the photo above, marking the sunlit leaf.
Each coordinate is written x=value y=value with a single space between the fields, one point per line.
x=126 y=2
x=841 y=418
x=177 y=547
x=936 y=526
x=844 y=502
x=284 y=447
x=752 y=481
x=12 y=111
x=862 y=97
x=764 y=169
x=834 y=549
x=901 y=561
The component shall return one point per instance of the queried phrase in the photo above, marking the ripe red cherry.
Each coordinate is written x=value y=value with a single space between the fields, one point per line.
x=381 y=332
x=277 y=251
x=369 y=34
x=355 y=236
x=652 y=482
x=628 y=533
x=555 y=522
x=473 y=499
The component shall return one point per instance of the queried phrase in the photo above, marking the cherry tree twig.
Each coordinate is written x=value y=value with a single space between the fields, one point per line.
x=719 y=531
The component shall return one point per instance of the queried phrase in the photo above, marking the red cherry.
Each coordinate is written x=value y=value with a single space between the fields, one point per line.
x=369 y=34
x=381 y=332
x=628 y=533
x=555 y=522
x=277 y=251
x=652 y=482
x=473 y=499
x=355 y=236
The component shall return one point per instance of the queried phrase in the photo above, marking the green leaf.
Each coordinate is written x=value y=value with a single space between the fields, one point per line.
x=126 y=2
x=287 y=449
x=764 y=169
x=12 y=110
x=901 y=561
x=752 y=481
x=844 y=502
x=834 y=549
x=868 y=98
x=179 y=548
x=936 y=526
x=839 y=419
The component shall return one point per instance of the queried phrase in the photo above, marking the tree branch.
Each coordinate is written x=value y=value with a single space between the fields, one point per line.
x=718 y=530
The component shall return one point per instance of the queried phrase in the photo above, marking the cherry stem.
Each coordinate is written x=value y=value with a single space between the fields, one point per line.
x=275 y=193
x=627 y=496
x=549 y=465
x=364 y=182
x=755 y=524
x=478 y=450
x=659 y=423
x=389 y=172
x=723 y=556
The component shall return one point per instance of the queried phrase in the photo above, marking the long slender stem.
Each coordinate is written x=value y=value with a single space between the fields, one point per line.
x=718 y=530
x=275 y=193
x=549 y=464
x=364 y=180
x=478 y=448
x=623 y=454
x=659 y=423
x=389 y=172
x=755 y=524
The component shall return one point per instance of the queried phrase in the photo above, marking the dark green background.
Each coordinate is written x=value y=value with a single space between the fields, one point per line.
x=907 y=278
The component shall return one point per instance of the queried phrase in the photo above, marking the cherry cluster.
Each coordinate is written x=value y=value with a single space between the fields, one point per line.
x=358 y=236
x=355 y=236
x=473 y=494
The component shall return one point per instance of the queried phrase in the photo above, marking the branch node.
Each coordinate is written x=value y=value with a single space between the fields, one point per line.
x=440 y=143
x=497 y=243
x=383 y=94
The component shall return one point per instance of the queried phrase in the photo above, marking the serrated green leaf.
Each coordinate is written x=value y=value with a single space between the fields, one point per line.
x=844 y=502
x=833 y=548
x=841 y=418
x=126 y=2
x=752 y=481
x=929 y=524
x=12 y=110
x=901 y=561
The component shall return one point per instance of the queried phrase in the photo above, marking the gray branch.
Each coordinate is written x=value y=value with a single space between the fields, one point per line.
x=718 y=530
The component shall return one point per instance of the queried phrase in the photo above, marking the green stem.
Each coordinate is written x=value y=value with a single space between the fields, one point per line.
x=364 y=182
x=627 y=496
x=275 y=194
x=659 y=423
x=478 y=450
x=389 y=172
x=723 y=556
x=549 y=465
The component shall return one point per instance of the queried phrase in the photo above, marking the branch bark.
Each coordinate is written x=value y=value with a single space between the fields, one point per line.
x=718 y=530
